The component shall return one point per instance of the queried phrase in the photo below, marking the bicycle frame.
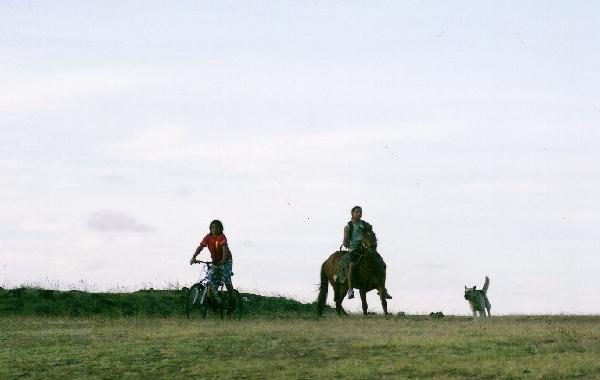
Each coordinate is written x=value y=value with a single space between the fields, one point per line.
x=204 y=280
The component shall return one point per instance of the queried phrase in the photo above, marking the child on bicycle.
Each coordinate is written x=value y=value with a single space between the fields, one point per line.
x=222 y=268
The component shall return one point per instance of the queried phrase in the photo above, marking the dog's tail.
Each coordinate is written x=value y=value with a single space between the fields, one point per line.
x=486 y=285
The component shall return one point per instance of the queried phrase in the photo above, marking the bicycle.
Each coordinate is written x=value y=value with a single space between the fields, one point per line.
x=204 y=296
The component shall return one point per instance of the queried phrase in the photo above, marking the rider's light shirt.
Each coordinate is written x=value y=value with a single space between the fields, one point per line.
x=215 y=246
x=356 y=234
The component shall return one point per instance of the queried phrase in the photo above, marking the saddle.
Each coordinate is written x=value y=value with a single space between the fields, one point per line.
x=341 y=273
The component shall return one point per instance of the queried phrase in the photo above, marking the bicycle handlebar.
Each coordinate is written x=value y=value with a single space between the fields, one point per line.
x=209 y=263
x=202 y=262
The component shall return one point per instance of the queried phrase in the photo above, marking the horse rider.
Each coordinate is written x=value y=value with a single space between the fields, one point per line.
x=353 y=234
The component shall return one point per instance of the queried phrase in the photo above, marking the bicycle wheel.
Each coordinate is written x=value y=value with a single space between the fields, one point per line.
x=194 y=306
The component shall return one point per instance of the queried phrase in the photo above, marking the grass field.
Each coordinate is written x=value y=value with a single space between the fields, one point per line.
x=354 y=347
x=145 y=334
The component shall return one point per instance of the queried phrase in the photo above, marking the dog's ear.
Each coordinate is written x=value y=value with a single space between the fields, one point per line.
x=475 y=287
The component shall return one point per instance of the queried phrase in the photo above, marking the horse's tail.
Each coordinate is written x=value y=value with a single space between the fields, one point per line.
x=323 y=288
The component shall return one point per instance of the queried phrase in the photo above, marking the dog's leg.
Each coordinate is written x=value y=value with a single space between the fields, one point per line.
x=473 y=309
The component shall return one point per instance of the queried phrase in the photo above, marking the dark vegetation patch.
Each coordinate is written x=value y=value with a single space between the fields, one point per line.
x=159 y=303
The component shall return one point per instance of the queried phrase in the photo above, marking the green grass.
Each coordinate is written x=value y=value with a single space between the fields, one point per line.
x=278 y=338
x=332 y=347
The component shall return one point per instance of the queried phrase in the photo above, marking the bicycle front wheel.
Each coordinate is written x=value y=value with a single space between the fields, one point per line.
x=195 y=306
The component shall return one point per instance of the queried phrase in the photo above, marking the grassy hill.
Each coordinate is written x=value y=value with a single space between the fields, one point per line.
x=160 y=303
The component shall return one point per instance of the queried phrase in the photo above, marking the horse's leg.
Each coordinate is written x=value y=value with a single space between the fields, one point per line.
x=363 y=299
x=343 y=291
x=340 y=291
x=381 y=290
x=337 y=298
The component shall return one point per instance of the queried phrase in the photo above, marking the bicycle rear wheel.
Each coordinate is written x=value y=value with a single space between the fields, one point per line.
x=194 y=306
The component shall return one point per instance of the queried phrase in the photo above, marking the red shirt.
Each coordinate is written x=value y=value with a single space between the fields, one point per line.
x=215 y=245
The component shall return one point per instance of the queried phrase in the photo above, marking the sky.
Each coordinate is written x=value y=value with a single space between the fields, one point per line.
x=468 y=131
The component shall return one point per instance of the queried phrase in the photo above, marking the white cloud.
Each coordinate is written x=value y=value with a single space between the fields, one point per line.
x=33 y=91
x=179 y=143
x=113 y=221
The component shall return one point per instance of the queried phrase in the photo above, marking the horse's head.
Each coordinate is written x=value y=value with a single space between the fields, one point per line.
x=369 y=241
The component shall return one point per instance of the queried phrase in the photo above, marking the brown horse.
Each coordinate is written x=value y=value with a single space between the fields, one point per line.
x=368 y=274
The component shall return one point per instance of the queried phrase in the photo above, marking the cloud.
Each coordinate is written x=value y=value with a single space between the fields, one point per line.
x=25 y=92
x=247 y=244
x=172 y=143
x=112 y=221
x=185 y=191
x=114 y=178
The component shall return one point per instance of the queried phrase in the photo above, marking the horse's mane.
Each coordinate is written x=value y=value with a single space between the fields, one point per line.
x=374 y=238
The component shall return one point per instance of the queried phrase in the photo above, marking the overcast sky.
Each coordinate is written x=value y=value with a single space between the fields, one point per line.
x=469 y=132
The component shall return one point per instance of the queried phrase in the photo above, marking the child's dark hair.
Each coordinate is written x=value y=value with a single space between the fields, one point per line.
x=217 y=223
x=355 y=208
